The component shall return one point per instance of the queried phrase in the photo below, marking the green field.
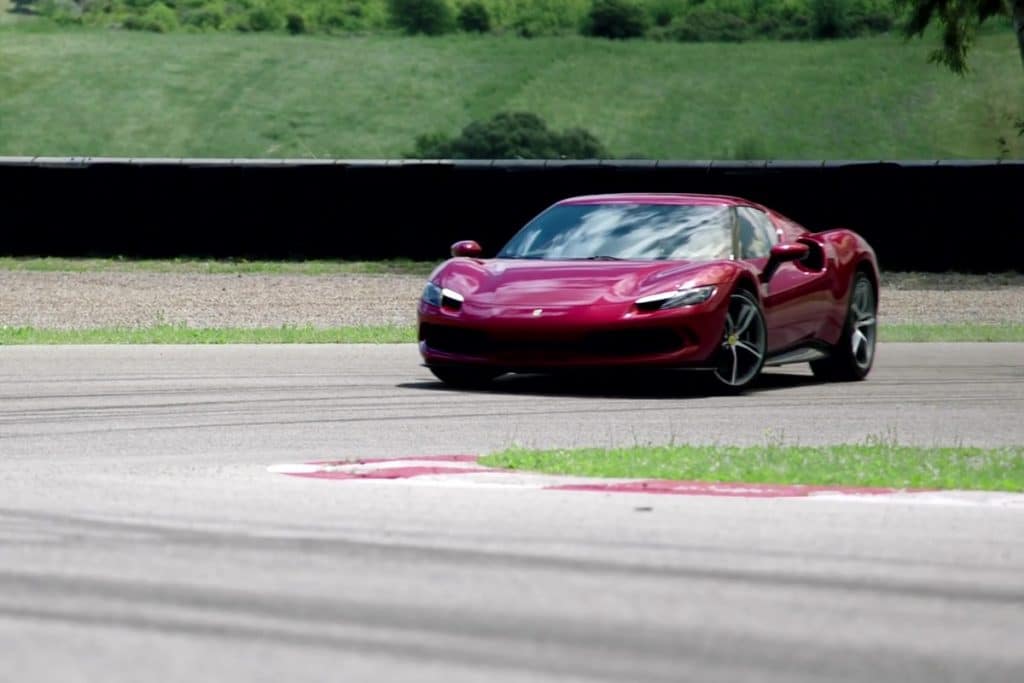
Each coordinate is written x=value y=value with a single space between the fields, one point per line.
x=966 y=332
x=876 y=463
x=94 y=92
x=182 y=334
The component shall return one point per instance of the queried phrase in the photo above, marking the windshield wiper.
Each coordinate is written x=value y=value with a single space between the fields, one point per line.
x=604 y=258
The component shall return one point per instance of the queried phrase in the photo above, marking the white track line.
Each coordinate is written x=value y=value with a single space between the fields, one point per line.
x=501 y=479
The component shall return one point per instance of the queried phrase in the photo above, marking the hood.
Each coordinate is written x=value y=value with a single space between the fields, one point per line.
x=521 y=282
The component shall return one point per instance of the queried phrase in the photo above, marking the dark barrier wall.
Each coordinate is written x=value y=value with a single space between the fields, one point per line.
x=933 y=216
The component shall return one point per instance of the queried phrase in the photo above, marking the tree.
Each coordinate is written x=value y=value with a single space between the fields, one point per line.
x=960 y=20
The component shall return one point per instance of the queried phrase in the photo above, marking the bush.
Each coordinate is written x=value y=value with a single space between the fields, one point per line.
x=690 y=20
x=662 y=12
x=870 y=16
x=511 y=135
x=432 y=17
x=828 y=18
x=708 y=24
x=207 y=17
x=295 y=23
x=579 y=143
x=268 y=17
x=784 y=21
x=159 y=18
x=532 y=18
x=616 y=19
x=350 y=15
x=474 y=17
x=60 y=11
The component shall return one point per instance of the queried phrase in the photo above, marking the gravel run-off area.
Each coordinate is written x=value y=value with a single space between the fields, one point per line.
x=64 y=300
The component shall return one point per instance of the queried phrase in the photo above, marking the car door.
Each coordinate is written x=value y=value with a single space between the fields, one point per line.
x=795 y=296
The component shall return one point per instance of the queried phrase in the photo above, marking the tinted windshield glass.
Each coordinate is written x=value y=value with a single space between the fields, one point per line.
x=625 y=231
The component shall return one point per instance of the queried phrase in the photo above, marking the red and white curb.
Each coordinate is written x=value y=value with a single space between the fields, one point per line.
x=464 y=471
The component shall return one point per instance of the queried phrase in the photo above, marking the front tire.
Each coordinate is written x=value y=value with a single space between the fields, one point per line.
x=851 y=359
x=744 y=343
x=464 y=377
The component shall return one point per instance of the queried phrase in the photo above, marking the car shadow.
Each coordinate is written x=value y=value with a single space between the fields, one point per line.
x=666 y=384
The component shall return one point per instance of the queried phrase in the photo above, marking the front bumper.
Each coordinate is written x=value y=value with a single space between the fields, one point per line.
x=520 y=339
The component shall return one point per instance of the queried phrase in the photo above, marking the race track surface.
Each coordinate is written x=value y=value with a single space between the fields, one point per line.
x=142 y=537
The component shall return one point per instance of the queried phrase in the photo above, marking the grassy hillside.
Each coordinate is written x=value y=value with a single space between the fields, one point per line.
x=112 y=93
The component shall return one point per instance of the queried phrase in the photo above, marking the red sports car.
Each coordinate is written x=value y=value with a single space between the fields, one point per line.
x=704 y=282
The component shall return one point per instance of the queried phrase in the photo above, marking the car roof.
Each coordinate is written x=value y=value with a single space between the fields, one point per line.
x=659 y=198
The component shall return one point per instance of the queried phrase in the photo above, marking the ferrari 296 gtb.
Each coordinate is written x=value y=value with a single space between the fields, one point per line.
x=703 y=282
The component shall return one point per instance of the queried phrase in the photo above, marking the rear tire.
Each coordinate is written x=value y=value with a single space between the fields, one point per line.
x=464 y=377
x=851 y=359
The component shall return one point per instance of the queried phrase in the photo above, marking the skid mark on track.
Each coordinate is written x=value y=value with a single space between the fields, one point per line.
x=385 y=468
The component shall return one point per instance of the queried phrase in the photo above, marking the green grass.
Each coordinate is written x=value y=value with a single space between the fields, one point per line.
x=966 y=332
x=95 y=92
x=191 y=265
x=873 y=464
x=181 y=334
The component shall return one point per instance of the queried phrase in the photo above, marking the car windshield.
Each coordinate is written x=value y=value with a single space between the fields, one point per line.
x=625 y=231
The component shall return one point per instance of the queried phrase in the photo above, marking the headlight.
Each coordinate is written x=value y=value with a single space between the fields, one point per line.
x=676 y=298
x=432 y=294
x=442 y=296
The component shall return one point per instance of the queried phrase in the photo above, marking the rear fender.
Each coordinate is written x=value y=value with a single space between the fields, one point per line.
x=848 y=253
x=845 y=252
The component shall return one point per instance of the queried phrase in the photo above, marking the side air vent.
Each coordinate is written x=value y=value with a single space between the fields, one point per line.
x=815 y=259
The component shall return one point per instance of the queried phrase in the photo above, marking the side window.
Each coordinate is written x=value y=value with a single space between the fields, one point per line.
x=757 y=234
x=769 y=227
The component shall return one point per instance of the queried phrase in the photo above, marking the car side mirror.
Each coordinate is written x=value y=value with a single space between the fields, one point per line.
x=781 y=253
x=467 y=248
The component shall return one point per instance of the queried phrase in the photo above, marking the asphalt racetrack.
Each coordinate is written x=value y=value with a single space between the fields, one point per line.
x=142 y=537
